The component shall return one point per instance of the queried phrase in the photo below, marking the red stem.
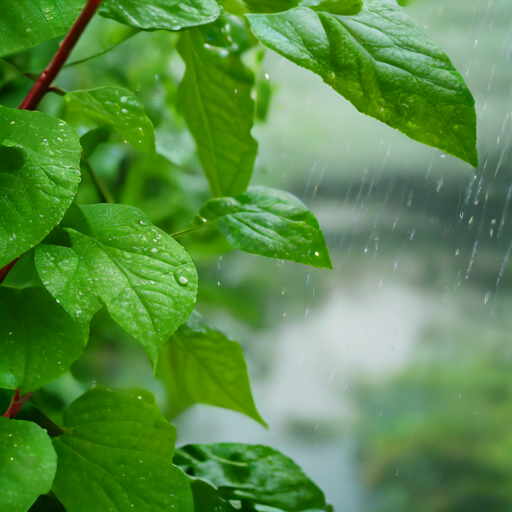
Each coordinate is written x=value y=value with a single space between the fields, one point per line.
x=4 y=271
x=43 y=83
x=17 y=402
x=35 y=95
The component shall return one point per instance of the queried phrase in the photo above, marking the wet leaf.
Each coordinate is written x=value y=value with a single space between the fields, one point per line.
x=30 y=22
x=201 y=365
x=118 y=449
x=271 y=223
x=146 y=279
x=255 y=472
x=385 y=66
x=119 y=109
x=215 y=99
x=161 y=14
x=39 y=339
x=27 y=464
x=39 y=177
x=259 y=6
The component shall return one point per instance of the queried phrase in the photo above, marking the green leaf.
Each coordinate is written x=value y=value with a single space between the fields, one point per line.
x=39 y=177
x=201 y=365
x=385 y=66
x=215 y=99
x=118 y=108
x=342 y=7
x=40 y=340
x=270 y=223
x=255 y=472
x=116 y=455
x=93 y=138
x=161 y=14
x=27 y=464
x=206 y=497
x=258 y=6
x=275 y=6
x=146 y=279
x=30 y=22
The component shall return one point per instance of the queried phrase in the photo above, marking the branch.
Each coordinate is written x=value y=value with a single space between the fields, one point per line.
x=4 y=271
x=43 y=83
x=17 y=402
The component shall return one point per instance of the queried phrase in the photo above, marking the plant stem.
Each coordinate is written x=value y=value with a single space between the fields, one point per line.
x=4 y=271
x=43 y=83
x=189 y=230
x=105 y=194
x=17 y=402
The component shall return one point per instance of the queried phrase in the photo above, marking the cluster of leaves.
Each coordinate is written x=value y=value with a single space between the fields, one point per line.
x=115 y=451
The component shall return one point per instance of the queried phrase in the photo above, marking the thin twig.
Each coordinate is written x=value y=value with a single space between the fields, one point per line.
x=189 y=230
x=102 y=189
x=17 y=402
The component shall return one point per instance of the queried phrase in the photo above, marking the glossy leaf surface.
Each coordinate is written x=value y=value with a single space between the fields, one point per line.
x=215 y=99
x=146 y=279
x=161 y=14
x=39 y=177
x=263 y=6
x=27 y=464
x=207 y=499
x=30 y=22
x=39 y=339
x=201 y=365
x=271 y=223
x=385 y=66
x=119 y=109
x=255 y=472
x=116 y=455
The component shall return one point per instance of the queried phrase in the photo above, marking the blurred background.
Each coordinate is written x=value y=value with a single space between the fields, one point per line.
x=389 y=378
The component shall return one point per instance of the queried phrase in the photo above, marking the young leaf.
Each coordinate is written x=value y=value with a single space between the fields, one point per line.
x=27 y=464
x=201 y=365
x=116 y=454
x=146 y=279
x=117 y=108
x=30 y=22
x=385 y=66
x=40 y=340
x=254 y=472
x=215 y=99
x=161 y=14
x=270 y=223
x=39 y=177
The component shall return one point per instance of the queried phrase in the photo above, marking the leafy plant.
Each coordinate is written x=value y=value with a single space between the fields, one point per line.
x=63 y=258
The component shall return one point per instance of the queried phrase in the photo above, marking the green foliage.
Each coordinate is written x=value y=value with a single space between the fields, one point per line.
x=117 y=108
x=48 y=19
x=107 y=436
x=27 y=464
x=146 y=279
x=254 y=472
x=201 y=365
x=215 y=99
x=40 y=340
x=270 y=223
x=83 y=257
x=161 y=14
x=38 y=179
x=386 y=67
